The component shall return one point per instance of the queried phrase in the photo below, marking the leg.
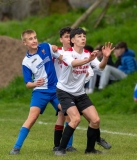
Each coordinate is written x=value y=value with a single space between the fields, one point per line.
x=59 y=127
x=100 y=141
x=69 y=148
x=69 y=129
x=32 y=117
x=107 y=72
x=93 y=129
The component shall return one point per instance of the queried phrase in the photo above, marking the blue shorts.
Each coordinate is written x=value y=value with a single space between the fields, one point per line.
x=135 y=92
x=41 y=99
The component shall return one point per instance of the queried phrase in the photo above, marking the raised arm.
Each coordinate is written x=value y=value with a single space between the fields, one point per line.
x=78 y=62
x=106 y=50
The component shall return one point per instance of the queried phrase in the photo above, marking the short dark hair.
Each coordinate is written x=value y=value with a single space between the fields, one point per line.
x=64 y=30
x=74 y=32
x=121 y=45
x=89 y=48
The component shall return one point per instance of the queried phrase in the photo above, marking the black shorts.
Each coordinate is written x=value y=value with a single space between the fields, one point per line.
x=68 y=100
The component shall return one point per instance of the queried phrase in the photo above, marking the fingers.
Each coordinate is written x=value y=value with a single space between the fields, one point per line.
x=108 y=45
x=95 y=52
x=40 y=82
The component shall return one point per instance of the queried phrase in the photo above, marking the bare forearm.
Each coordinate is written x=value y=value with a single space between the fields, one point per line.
x=103 y=62
x=78 y=62
x=31 y=85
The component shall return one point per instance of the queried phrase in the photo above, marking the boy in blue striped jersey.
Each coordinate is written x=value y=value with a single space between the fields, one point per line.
x=39 y=74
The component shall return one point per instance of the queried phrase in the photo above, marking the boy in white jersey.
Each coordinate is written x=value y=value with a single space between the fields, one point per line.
x=71 y=93
x=39 y=75
x=65 y=40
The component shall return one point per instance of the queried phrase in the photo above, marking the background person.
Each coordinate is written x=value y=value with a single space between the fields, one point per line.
x=127 y=64
x=94 y=80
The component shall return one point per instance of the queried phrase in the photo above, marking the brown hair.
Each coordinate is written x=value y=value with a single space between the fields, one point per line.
x=99 y=47
x=121 y=45
x=28 y=31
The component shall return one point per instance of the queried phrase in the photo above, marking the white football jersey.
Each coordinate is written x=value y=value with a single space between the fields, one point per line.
x=72 y=79
x=58 y=63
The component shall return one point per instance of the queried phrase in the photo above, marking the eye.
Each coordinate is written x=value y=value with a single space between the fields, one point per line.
x=30 y=38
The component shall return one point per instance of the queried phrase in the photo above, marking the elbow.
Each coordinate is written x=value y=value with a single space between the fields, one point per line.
x=27 y=86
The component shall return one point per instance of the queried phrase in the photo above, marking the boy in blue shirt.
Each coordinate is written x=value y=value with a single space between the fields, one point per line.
x=39 y=74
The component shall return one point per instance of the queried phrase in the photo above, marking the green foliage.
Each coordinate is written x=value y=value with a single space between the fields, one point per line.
x=118 y=24
x=15 y=91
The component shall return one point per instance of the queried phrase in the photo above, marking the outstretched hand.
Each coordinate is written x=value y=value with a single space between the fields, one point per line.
x=107 y=49
x=54 y=48
x=93 y=55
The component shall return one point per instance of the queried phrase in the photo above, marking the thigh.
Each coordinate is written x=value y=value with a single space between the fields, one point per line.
x=55 y=102
x=118 y=74
x=83 y=102
x=66 y=100
x=40 y=100
x=73 y=113
x=90 y=114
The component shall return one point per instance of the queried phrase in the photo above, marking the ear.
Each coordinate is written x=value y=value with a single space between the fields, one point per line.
x=60 y=40
x=73 y=40
x=24 y=42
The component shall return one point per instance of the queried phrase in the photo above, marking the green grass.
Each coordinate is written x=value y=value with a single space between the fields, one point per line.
x=115 y=106
x=38 y=145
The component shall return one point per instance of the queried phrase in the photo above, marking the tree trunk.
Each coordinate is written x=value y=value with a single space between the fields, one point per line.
x=103 y=13
x=87 y=13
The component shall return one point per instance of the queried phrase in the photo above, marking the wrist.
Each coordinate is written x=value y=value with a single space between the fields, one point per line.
x=104 y=57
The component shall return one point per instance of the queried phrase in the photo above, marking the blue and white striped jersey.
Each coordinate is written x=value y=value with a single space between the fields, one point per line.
x=40 y=65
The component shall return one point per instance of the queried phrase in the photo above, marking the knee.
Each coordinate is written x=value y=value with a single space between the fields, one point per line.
x=76 y=120
x=33 y=118
x=60 y=119
x=61 y=115
x=106 y=69
x=96 y=122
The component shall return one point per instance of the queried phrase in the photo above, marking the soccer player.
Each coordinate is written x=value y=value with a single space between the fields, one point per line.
x=71 y=93
x=39 y=75
x=65 y=40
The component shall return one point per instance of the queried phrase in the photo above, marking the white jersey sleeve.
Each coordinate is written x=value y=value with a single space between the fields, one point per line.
x=67 y=58
x=58 y=63
x=90 y=74
x=54 y=54
x=95 y=64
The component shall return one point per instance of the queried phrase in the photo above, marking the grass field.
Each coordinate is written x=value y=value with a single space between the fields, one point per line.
x=119 y=130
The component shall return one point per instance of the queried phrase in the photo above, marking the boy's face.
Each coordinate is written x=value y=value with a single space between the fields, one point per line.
x=118 y=52
x=31 y=41
x=79 y=40
x=65 y=40
x=100 y=55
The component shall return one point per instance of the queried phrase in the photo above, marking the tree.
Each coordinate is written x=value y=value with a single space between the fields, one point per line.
x=86 y=14
x=103 y=13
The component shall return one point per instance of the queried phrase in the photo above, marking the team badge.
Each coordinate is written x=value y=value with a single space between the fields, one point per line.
x=43 y=51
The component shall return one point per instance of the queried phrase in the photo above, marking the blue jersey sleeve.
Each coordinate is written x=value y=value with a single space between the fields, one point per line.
x=27 y=74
